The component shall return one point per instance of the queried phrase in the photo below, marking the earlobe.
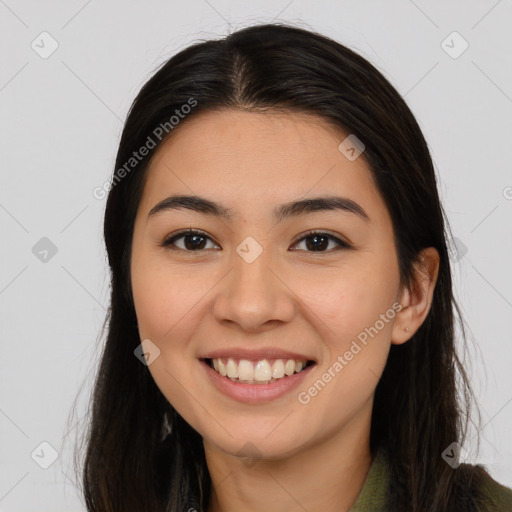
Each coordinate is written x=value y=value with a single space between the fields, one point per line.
x=417 y=300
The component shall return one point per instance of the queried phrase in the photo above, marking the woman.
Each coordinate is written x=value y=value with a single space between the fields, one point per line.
x=281 y=331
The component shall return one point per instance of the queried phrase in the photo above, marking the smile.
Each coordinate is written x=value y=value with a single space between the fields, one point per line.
x=263 y=371
x=248 y=388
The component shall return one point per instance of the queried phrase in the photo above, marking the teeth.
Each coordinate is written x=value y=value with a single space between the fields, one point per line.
x=262 y=371
x=278 y=369
x=289 y=367
x=232 y=369
x=222 y=368
x=245 y=370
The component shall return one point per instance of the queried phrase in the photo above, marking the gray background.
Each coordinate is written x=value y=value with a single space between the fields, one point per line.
x=61 y=119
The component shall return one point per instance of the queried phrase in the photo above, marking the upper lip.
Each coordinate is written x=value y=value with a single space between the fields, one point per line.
x=256 y=354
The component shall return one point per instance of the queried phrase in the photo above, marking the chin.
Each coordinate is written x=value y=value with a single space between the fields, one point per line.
x=262 y=446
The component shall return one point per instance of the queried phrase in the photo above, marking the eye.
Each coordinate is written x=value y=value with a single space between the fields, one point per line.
x=320 y=239
x=194 y=241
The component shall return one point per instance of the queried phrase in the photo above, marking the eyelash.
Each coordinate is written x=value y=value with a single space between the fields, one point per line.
x=168 y=242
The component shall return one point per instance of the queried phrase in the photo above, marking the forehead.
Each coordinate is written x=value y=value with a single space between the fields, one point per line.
x=254 y=160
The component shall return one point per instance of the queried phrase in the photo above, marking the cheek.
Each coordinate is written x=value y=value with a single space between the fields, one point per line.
x=347 y=301
x=166 y=304
x=357 y=309
x=151 y=300
x=164 y=298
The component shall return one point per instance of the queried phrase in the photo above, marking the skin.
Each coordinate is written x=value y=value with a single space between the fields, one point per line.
x=312 y=456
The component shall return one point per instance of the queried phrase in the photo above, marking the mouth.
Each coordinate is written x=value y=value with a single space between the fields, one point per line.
x=262 y=371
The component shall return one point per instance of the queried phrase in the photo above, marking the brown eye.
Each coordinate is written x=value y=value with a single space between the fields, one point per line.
x=193 y=241
x=317 y=241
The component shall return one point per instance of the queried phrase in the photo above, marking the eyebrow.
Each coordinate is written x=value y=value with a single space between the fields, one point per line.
x=282 y=211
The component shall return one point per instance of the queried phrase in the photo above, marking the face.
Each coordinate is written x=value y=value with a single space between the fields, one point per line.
x=249 y=285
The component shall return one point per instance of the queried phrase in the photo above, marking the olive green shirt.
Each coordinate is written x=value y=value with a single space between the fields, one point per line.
x=372 y=497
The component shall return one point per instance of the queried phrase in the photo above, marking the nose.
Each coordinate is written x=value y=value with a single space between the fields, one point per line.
x=254 y=295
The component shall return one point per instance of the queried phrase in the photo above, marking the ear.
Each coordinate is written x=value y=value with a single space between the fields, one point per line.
x=416 y=302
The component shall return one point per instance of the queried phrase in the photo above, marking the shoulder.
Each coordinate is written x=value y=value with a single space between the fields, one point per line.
x=495 y=497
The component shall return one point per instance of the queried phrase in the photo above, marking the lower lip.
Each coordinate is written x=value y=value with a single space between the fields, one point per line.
x=255 y=393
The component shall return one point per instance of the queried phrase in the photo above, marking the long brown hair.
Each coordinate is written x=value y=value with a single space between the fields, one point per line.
x=140 y=454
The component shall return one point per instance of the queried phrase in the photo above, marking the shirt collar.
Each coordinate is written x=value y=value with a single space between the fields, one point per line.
x=373 y=493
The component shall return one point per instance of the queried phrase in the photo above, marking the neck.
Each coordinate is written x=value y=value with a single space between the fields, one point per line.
x=326 y=476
